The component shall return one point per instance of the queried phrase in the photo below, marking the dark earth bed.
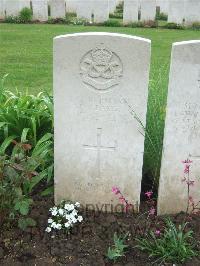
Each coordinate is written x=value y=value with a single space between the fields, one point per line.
x=86 y=245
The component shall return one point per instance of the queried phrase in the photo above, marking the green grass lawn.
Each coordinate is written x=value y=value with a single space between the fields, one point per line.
x=26 y=55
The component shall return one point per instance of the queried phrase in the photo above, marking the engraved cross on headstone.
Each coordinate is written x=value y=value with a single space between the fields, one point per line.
x=99 y=147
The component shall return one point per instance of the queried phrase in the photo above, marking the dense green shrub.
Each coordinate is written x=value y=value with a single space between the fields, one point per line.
x=58 y=21
x=112 y=23
x=11 y=19
x=161 y=16
x=25 y=15
x=196 y=25
x=172 y=25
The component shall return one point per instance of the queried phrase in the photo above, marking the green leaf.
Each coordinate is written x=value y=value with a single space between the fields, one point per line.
x=23 y=223
x=48 y=191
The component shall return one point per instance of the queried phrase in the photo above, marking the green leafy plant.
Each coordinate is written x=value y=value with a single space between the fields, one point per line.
x=21 y=170
x=118 y=249
x=172 y=25
x=25 y=15
x=196 y=25
x=11 y=19
x=19 y=111
x=112 y=23
x=175 y=244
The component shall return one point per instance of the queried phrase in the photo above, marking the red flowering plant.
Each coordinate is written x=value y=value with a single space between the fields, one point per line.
x=122 y=199
x=192 y=206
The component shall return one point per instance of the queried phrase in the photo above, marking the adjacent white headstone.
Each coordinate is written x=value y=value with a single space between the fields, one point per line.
x=176 y=11
x=148 y=10
x=164 y=5
x=84 y=9
x=57 y=8
x=130 y=13
x=112 y=5
x=2 y=9
x=101 y=10
x=71 y=6
x=182 y=129
x=98 y=144
x=13 y=8
x=40 y=10
x=192 y=11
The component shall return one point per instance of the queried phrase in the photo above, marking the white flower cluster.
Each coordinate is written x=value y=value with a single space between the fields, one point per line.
x=63 y=216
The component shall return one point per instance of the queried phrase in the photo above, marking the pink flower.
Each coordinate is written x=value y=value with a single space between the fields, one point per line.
x=148 y=194
x=115 y=190
x=190 y=183
x=157 y=232
x=187 y=161
x=122 y=200
x=187 y=169
x=152 y=211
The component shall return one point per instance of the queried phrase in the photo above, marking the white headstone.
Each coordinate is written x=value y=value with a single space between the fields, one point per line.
x=57 y=8
x=130 y=13
x=84 y=9
x=182 y=129
x=71 y=6
x=13 y=7
x=148 y=10
x=164 y=5
x=98 y=144
x=2 y=9
x=101 y=10
x=192 y=11
x=112 y=5
x=176 y=11
x=40 y=10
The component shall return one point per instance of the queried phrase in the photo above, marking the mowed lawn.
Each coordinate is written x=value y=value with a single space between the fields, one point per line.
x=26 y=53
x=26 y=50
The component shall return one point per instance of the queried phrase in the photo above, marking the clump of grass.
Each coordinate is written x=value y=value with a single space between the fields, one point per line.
x=175 y=245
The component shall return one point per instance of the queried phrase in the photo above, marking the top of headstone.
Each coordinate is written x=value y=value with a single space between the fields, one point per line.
x=186 y=42
x=103 y=34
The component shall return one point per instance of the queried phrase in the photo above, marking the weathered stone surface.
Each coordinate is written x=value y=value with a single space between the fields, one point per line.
x=101 y=10
x=192 y=11
x=182 y=129
x=2 y=9
x=40 y=10
x=13 y=8
x=57 y=8
x=130 y=13
x=164 y=5
x=71 y=5
x=84 y=9
x=100 y=87
x=148 y=9
x=176 y=11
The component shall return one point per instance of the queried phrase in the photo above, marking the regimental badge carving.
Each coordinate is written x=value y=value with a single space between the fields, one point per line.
x=101 y=68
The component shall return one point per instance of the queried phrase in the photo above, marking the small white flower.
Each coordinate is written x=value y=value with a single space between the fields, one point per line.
x=54 y=212
x=74 y=212
x=80 y=218
x=58 y=226
x=73 y=219
x=77 y=204
x=67 y=206
x=71 y=207
x=48 y=229
x=67 y=224
x=61 y=211
x=50 y=221
x=54 y=225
